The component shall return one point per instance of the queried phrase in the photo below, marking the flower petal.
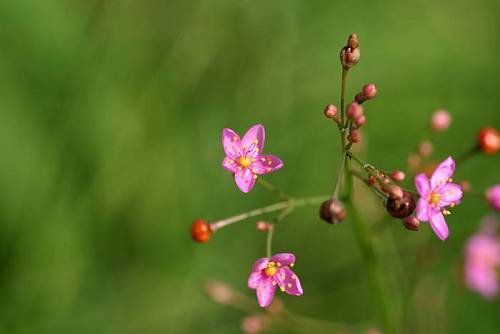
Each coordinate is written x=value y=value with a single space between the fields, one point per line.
x=245 y=179
x=254 y=279
x=443 y=173
x=288 y=282
x=422 y=210
x=451 y=193
x=265 y=292
x=260 y=264
x=231 y=143
x=422 y=184
x=438 y=223
x=285 y=259
x=230 y=164
x=266 y=164
x=253 y=141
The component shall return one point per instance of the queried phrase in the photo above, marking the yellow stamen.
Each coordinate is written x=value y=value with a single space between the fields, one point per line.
x=435 y=198
x=282 y=288
x=270 y=271
x=446 y=212
x=244 y=162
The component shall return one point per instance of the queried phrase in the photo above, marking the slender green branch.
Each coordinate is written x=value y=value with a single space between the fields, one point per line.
x=269 y=241
x=272 y=188
x=267 y=209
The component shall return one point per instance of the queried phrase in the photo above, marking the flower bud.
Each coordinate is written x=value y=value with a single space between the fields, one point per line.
x=425 y=148
x=401 y=208
x=360 y=121
x=414 y=161
x=353 y=41
x=369 y=91
x=219 y=292
x=411 y=223
x=398 y=175
x=354 y=110
x=440 y=120
x=349 y=57
x=354 y=136
x=332 y=211
x=262 y=226
x=253 y=324
x=330 y=111
x=489 y=140
x=395 y=192
x=201 y=231
x=493 y=197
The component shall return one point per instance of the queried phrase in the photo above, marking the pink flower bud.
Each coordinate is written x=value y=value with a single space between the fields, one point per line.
x=395 y=192
x=349 y=57
x=261 y=226
x=360 y=121
x=440 y=120
x=354 y=110
x=369 y=91
x=353 y=41
x=398 y=175
x=219 y=292
x=411 y=223
x=330 y=111
x=425 y=148
x=493 y=196
x=253 y=324
x=354 y=136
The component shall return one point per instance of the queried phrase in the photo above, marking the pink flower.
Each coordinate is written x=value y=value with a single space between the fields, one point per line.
x=493 y=196
x=482 y=260
x=244 y=159
x=436 y=195
x=269 y=273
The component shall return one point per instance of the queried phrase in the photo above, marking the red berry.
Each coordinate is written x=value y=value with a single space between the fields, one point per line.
x=489 y=140
x=201 y=231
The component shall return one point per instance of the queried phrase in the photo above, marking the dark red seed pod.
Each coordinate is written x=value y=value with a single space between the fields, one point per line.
x=402 y=207
x=201 y=231
x=332 y=211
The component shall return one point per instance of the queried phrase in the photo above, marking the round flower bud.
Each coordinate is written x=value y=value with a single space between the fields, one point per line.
x=332 y=211
x=354 y=136
x=440 y=120
x=398 y=175
x=353 y=41
x=369 y=91
x=349 y=57
x=493 y=196
x=262 y=226
x=360 y=121
x=253 y=324
x=354 y=111
x=395 y=192
x=411 y=223
x=201 y=231
x=219 y=292
x=489 y=140
x=330 y=111
x=425 y=148
x=402 y=207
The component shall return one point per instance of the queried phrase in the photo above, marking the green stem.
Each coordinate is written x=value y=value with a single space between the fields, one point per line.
x=267 y=209
x=272 y=188
x=269 y=241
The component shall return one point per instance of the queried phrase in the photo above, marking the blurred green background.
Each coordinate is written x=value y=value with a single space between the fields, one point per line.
x=110 y=122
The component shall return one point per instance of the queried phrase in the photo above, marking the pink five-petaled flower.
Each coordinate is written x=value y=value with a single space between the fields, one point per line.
x=436 y=195
x=244 y=158
x=482 y=260
x=267 y=274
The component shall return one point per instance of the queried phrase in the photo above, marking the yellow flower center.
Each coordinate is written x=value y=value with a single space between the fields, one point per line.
x=435 y=198
x=271 y=269
x=244 y=162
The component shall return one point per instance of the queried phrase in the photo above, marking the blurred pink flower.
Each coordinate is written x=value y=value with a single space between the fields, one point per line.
x=440 y=120
x=269 y=273
x=482 y=260
x=244 y=159
x=435 y=195
x=493 y=196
